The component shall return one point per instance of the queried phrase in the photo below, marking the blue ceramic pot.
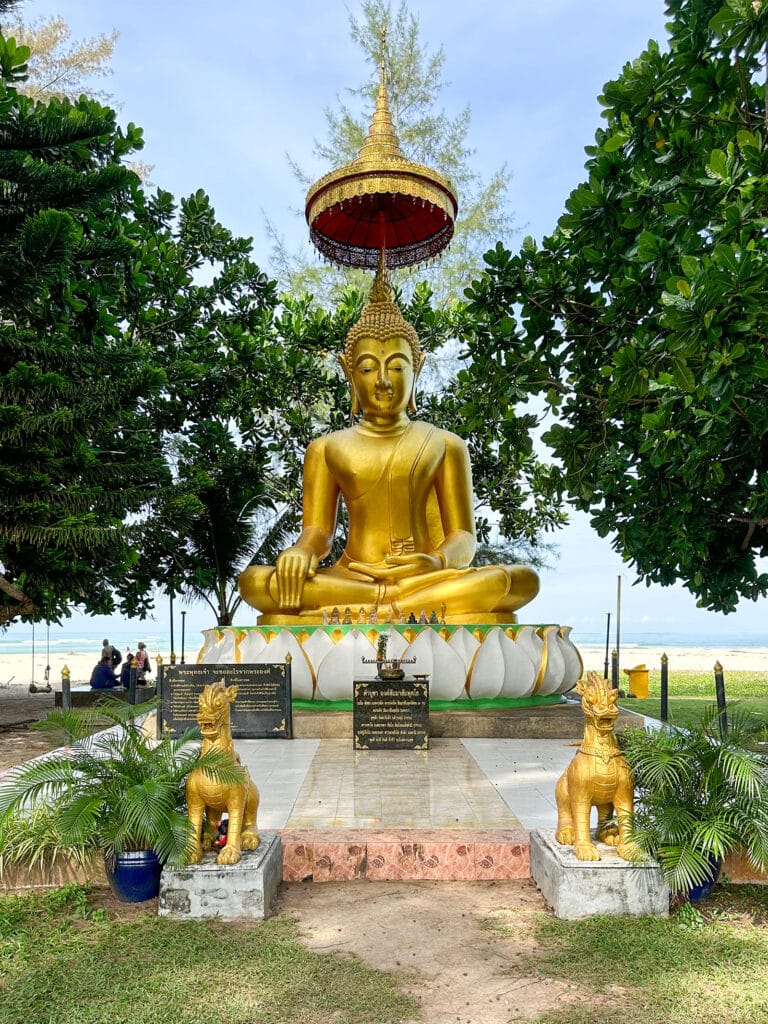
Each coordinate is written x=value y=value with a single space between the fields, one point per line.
x=704 y=891
x=134 y=876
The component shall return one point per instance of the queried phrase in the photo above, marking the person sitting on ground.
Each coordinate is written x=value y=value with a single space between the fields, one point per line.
x=125 y=671
x=103 y=676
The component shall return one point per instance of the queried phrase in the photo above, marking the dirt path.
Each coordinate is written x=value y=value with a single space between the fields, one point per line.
x=17 y=745
x=461 y=970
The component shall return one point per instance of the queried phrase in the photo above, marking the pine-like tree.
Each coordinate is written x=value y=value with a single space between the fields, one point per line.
x=390 y=37
x=59 y=66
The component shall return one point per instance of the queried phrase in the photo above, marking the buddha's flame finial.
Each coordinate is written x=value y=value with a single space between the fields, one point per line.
x=381 y=318
x=381 y=290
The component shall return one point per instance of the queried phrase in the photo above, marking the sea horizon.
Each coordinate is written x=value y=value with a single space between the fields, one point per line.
x=20 y=640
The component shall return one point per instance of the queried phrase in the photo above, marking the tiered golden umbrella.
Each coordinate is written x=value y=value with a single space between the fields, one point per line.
x=381 y=201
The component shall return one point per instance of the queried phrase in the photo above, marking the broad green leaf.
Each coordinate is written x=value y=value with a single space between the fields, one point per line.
x=718 y=165
x=616 y=141
x=690 y=266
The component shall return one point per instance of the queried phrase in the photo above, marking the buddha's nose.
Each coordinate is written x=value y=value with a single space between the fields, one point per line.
x=382 y=381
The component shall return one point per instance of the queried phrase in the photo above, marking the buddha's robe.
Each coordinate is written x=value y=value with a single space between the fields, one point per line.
x=406 y=493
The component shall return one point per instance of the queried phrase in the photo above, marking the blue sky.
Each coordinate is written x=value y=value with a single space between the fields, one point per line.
x=224 y=91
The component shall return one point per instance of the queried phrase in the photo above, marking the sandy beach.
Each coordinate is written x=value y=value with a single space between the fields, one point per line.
x=16 y=669
x=682 y=659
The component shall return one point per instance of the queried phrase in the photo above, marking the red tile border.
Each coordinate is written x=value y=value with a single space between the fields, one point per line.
x=338 y=855
x=502 y=860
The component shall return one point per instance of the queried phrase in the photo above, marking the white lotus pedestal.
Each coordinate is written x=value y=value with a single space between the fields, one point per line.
x=524 y=662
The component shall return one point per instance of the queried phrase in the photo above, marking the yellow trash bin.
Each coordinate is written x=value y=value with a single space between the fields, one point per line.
x=638 y=680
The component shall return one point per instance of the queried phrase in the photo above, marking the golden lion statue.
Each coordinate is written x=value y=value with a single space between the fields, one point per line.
x=210 y=799
x=598 y=776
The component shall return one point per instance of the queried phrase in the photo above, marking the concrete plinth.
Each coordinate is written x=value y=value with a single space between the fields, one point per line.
x=229 y=892
x=84 y=696
x=577 y=888
x=553 y=721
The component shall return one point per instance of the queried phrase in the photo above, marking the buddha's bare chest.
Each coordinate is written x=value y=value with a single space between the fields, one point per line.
x=383 y=465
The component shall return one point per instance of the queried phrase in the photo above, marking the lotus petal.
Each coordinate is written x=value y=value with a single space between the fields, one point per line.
x=555 y=670
x=519 y=670
x=465 y=645
x=223 y=650
x=315 y=648
x=486 y=674
x=251 y=645
x=529 y=641
x=345 y=663
x=435 y=658
x=210 y=637
x=574 y=666
x=275 y=652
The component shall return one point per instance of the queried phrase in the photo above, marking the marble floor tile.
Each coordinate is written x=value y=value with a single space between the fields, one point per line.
x=443 y=787
x=471 y=783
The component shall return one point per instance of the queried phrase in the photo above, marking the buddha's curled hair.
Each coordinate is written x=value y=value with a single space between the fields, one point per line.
x=381 y=320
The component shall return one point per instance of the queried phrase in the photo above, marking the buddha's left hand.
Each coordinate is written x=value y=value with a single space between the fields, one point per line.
x=400 y=567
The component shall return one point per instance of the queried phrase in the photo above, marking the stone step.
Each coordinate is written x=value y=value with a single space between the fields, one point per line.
x=385 y=855
x=553 y=721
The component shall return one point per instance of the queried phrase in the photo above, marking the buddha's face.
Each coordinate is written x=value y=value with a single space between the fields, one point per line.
x=382 y=374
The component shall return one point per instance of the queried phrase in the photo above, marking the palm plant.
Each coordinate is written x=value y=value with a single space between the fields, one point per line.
x=115 y=790
x=700 y=794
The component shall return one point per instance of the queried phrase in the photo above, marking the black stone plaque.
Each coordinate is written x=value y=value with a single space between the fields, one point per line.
x=262 y=708
x=391 y=714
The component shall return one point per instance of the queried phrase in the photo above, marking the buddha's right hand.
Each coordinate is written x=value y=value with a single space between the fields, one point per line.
x=292 y=569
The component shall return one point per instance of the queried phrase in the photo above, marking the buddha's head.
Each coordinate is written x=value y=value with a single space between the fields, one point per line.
x=382 y=358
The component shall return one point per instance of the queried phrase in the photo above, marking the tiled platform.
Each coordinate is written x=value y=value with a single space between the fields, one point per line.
x=461 y=810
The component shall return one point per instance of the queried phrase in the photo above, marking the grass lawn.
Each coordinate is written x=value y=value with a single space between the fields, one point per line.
x=664 y=971
x=691 y=692
x=62 y=962
x=709 y=967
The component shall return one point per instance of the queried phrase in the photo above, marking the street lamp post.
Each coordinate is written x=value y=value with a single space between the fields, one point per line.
x=183 y=620
x=173 y=654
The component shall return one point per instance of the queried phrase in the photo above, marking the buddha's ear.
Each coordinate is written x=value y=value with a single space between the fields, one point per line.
x=348 y=374
x=416 y=371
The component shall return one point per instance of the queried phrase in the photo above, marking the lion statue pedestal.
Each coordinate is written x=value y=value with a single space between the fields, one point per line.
x=226 y=891
x=581 y=874
x=242 y=880
x=611 y=886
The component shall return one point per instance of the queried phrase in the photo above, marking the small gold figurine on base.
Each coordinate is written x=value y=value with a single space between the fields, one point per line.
x=598 y=776
x=208 y=799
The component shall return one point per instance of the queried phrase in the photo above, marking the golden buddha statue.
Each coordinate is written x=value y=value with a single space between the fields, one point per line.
x=407 y=486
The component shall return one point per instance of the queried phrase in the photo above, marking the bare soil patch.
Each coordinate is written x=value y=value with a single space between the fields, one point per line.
x=440 y=937
x=19 y=745
x=440 y=934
